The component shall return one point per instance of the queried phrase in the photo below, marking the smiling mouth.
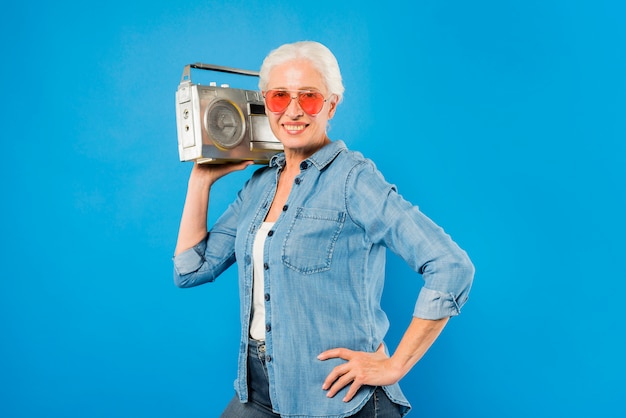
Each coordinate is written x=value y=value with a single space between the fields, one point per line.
x=294 y=127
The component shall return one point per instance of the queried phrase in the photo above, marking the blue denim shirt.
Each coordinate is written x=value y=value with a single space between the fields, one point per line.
x=324 y=272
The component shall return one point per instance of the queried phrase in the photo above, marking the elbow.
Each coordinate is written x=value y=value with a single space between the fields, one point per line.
x=464 y=274
x=181 y=281
x=186 y=279
x=187 y=274
x=192 y=279
x=464 y=269
x=456 y=265
x=469 y=269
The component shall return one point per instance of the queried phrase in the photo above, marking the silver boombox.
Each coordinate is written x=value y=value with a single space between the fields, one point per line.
x=220 y=124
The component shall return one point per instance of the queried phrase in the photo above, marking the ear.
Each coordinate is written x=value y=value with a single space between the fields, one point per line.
x=333 y=107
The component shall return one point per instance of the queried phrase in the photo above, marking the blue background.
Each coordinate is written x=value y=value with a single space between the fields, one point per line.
x=503 y=120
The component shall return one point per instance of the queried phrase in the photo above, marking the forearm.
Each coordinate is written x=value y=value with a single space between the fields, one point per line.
x=376 y=369
x=417 y=339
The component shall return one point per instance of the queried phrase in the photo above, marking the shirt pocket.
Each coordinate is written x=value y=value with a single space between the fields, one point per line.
x=310 y=241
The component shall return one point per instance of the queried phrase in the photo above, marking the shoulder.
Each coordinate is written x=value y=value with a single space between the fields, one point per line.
x=361 y=169
x=353 y=161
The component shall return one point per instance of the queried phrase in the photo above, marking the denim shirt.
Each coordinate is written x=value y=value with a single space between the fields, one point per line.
x=324 y=265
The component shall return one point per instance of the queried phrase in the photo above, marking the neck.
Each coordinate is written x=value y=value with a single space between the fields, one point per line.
x=294 y=156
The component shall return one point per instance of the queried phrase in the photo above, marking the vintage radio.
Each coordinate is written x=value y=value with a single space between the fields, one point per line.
x=219 y=124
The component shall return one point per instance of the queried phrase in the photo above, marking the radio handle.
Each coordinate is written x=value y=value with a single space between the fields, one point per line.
x=212 y=67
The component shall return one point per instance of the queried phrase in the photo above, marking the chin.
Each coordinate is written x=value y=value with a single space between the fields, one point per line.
x=294 y=140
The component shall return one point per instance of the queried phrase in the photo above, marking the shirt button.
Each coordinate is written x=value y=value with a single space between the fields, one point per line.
x=270 y=233
x=285 y=208
x=297 y=180
x=267 y=297
x=268 y=358
x=268 y=328
x=266 y=266
x=304 y=165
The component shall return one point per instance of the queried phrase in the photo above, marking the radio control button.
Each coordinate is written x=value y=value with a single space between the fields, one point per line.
x=253 y=96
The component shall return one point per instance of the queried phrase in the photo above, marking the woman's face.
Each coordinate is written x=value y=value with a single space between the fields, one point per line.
x=299 y=132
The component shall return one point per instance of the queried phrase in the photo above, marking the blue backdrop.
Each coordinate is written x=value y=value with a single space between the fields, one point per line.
x=503 y=120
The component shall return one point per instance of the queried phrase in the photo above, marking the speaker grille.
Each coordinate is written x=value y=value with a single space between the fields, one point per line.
x=225 y=124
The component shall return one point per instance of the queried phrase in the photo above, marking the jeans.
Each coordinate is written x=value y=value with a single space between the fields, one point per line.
x=260 y=406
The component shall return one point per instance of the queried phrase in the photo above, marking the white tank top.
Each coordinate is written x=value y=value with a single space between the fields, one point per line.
x=257 y=322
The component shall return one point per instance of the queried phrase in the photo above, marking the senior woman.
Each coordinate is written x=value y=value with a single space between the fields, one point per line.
x=309 y=233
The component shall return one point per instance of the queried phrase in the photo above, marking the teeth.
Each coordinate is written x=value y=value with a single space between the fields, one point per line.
x=294 y=127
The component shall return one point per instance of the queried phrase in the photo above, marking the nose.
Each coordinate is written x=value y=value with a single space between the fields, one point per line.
x=293 y=109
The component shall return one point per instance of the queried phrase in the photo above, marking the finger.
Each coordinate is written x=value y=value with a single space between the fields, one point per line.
x=339 y=384
x=354 y=388
x=342 y=353
x=217 y=171
x=335 y=374
x=235 y=166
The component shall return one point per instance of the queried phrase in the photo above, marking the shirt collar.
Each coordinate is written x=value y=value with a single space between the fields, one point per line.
x=320 y=159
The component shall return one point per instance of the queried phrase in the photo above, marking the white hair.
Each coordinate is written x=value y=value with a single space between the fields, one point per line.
x=320 y=57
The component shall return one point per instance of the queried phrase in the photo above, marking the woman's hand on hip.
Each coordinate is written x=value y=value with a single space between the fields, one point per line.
x=361 y=368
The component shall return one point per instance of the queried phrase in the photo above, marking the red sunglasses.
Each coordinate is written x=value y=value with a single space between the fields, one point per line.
x=310 y=101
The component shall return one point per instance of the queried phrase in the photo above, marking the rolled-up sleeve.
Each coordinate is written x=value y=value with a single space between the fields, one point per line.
x=205 y=261
x=432 y=304
x=448 y=275
x=190 y=260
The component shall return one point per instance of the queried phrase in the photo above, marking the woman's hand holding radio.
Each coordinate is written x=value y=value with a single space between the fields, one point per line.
x=204 y=175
